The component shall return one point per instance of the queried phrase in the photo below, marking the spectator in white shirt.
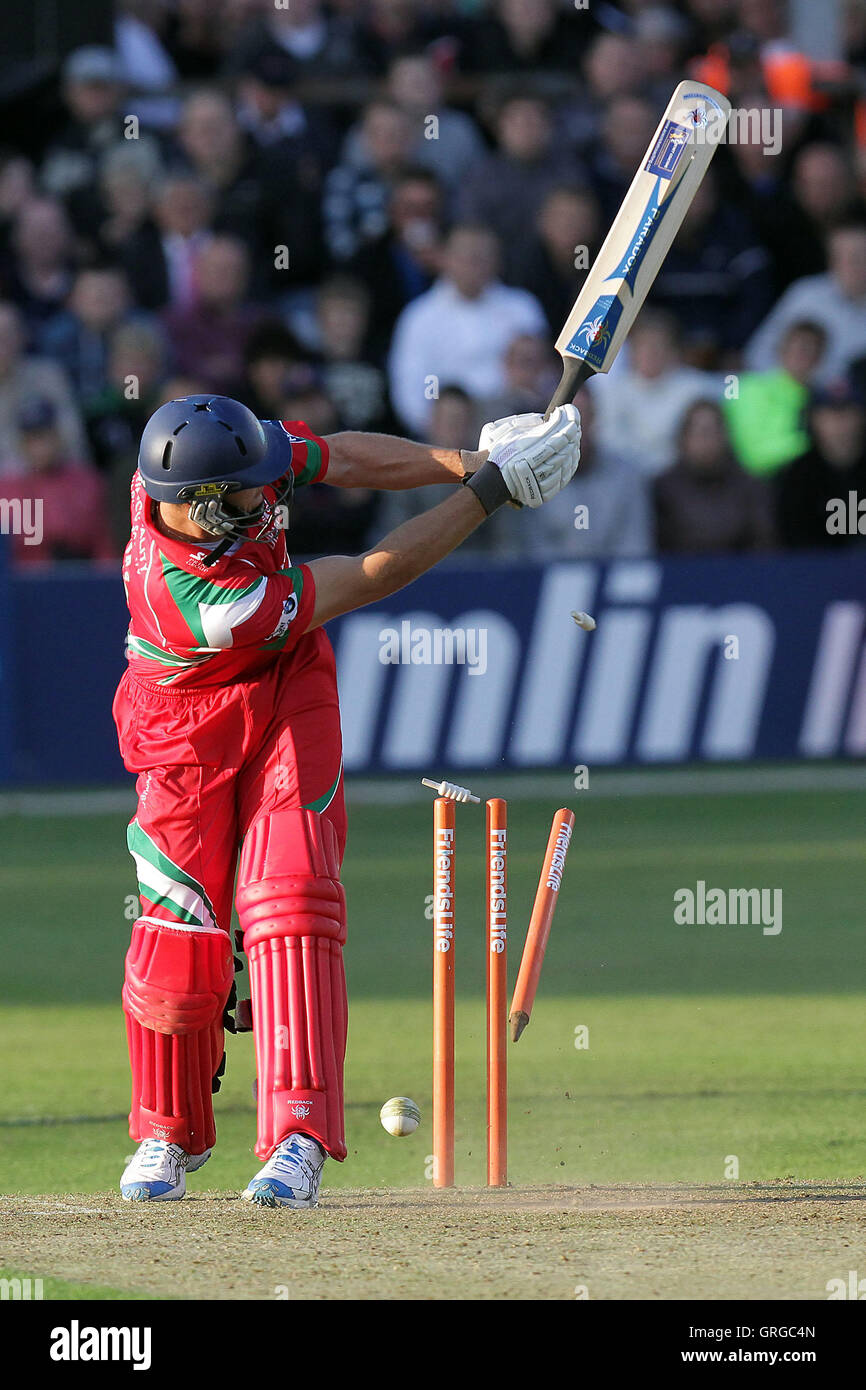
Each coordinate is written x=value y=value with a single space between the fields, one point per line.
x=641 y=404
x=458 y=332
x=836 y=301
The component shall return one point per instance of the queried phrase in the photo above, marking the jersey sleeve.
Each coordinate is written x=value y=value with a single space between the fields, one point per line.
x=308 y=459
x=243 y=608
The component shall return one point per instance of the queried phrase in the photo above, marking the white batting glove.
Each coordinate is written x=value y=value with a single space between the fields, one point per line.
x=536 y=457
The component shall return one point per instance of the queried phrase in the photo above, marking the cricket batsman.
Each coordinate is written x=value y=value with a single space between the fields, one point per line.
x=228 y=715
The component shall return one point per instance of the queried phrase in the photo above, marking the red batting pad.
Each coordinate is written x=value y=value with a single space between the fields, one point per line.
x=176 y=987
x=293 y=913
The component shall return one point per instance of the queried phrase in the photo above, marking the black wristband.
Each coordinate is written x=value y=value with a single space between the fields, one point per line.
x=489 y=487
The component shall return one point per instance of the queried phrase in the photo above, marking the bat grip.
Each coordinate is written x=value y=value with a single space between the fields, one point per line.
x=575 y=371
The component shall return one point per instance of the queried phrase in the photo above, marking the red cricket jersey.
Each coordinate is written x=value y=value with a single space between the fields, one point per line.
x=196 y=626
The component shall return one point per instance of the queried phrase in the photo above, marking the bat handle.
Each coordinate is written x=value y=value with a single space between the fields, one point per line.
x=574 y=373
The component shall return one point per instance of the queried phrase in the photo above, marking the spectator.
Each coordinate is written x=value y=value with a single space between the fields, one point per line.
x=136 y=366
x=322 y=44
x=523 y=169
x=107 y=219
x=766 y=417
x=532 y=371
x=246 y=186
x=822 y=179
x=92 y=89
x=529 y=36
x=813 y=491
x=394 y=27
x=326 y=519
x=454 y=424
x=65 y=496
x=160 y=257
x=612 y=68
x=78 y=338
x=553 y=262
x=641 y=405
x=459 y=331
x=620 y=150
x=661 y=37
x=208 y=337
x=276 y=367
x=197 y=40
x=269 y=110
x=836 y=301
x=295 y=146
x=133 y=390
x=403 y=262
x=41 y=272
x=716 y=279
x=705 y=504
x=445 y=141
x=358 y=389
x=24 y=379
x=357 y=195
x=603 y=514
x=754 y=180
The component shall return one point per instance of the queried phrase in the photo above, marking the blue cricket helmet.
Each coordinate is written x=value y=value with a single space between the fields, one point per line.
x=190 y=443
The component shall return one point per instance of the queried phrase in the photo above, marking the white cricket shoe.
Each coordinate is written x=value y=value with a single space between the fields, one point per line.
x=157 y=1172
x=291 y=1176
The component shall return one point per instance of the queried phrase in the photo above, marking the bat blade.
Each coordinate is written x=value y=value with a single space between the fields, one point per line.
x=641 y=235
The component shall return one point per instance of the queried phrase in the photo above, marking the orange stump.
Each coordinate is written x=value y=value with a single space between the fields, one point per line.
x=539 y=924
x=443 y=993
x=497 y=993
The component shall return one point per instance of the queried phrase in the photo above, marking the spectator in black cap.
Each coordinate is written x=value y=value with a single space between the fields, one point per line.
x=294 y=147
x=813 y=491
x=270 y=111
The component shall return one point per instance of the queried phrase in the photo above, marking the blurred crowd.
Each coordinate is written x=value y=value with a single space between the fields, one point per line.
x=376 y=214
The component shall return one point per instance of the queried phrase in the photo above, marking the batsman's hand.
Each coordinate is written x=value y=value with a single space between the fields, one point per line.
x=536 y=457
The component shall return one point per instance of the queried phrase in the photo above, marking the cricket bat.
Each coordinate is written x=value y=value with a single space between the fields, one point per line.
x=642 y=233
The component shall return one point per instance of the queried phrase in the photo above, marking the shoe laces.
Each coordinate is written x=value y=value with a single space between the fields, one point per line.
x=154 y=1150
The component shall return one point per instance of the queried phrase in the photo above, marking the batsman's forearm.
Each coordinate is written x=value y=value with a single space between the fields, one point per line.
x=421 y=543
x=386 y=462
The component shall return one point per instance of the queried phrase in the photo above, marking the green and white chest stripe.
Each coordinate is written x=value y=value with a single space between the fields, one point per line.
x=166 y=885
x=210 y=611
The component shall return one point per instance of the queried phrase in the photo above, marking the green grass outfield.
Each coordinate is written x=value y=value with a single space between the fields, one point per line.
x=704 y=1041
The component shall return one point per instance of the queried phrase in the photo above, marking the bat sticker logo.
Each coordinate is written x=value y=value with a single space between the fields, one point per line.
x=595 y=333
x=668 y=149
x=592 y=339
